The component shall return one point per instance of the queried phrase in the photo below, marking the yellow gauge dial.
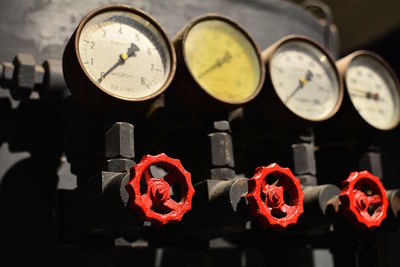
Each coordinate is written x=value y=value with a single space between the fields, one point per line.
x=223 y=60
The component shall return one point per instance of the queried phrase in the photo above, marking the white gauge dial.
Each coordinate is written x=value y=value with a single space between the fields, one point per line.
x=373 y=91
x=124 y=54
x=305 y=79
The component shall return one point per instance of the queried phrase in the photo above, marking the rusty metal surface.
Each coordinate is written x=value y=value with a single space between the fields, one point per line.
x=43 y=27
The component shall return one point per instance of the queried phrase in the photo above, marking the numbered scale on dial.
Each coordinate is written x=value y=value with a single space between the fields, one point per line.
x=304 y=77
x=118 y=54
x=222 y=60
x=373 y=89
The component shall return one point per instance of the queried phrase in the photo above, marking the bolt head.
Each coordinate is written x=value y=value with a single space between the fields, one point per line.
x=221 y=126
x=8 y=71
x=39 y=74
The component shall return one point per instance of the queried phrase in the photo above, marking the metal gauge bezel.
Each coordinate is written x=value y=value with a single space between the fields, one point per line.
x=234 y=24
x=270 y=52
x=146 y=17
x=346 y=62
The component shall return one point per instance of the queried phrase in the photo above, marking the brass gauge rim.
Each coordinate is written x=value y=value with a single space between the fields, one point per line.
x=146 y=17
x=213 y=16
x=268 y=53
x=343 y=65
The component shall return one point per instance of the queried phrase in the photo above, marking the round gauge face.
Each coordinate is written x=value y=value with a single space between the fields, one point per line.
x=305 y=79
x=223 y=60
x=124 y=54
x=373 y=91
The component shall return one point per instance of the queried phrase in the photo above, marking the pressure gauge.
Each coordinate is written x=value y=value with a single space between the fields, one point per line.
x=118 y=54
x=373 y=89
x=304 y=77
x=222 y=59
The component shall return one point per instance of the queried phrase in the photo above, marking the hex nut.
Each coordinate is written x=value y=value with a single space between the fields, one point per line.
x=23 y=77
x=221 y=150
x=24 y=70
x=222 y=173
x=119 y=141
x=304 y=159
x=120 y=165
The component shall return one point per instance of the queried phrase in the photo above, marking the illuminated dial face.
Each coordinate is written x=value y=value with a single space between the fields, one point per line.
x=373 y=92
x=223 y=60
x=124 y=54
x=305 y=79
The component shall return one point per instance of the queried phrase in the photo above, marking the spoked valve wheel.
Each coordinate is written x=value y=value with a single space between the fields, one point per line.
x=162 y=199
x=363 y=199
x=275 y=197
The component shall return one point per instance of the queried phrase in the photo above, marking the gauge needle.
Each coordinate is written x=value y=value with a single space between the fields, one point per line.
x=366 y=94
x=220 y=61
x=301 y=70
x=302 y=82
x=121 y=60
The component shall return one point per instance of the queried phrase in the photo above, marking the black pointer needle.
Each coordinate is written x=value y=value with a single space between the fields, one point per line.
x=121 y=60
x=366 y=94
x=302 y=82
x=220 y=61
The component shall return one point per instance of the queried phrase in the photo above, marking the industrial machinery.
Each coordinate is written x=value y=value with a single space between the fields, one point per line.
x=242 y=140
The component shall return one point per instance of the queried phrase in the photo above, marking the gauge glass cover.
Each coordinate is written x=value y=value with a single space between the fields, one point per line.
x=305 y=79
x=223 y=60
x=373 y=91
x=124 y=54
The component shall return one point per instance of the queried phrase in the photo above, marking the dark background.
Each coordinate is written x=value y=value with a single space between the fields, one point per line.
x=42 y=28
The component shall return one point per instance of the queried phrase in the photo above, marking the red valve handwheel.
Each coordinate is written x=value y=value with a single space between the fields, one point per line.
x=266 y=198
x=151 y=197
x=363 y=199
